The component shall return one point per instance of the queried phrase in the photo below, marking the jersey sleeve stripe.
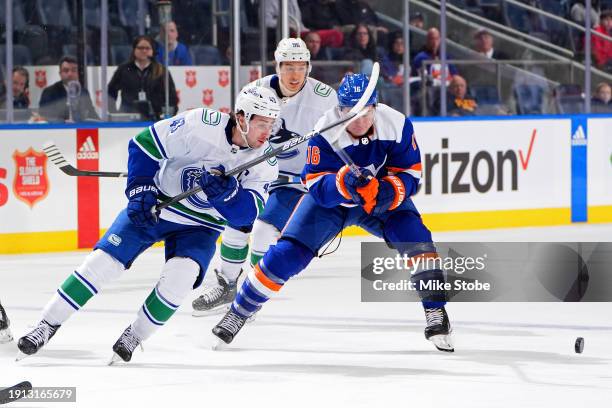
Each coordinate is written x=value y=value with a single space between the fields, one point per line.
x=158 y=142
x=312 y=178
x=415 y=170
x=144 y=140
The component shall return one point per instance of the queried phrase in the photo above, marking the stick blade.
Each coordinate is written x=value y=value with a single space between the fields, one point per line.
x=15 y=392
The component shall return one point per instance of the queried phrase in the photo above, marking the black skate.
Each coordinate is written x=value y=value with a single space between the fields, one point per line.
x=228 y=327
x=217 y=299
x=34 y=340
x=5 y=332
x=125 y=346
x=438 y=329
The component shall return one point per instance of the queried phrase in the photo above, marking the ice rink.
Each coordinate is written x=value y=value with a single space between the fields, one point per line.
x=315 y=344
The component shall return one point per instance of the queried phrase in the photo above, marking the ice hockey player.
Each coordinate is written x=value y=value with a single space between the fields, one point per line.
x=383 y=146
x=166 y=159
x=304 y=101
x=5 y=331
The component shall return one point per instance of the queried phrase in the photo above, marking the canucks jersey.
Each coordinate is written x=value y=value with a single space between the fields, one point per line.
x=298 y=116
x=390 y=150
x=179 y=147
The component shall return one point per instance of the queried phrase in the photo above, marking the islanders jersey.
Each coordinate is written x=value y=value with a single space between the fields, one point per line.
x=298 y=116
x=389 y=150
x=181 y=146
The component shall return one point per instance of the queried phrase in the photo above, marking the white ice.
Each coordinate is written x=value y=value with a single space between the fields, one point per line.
x=315 y=344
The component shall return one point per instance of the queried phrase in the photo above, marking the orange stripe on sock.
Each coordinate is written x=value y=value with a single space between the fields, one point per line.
x=267 y=282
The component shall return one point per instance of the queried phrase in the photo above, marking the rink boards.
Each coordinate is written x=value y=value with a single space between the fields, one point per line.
x=482 y=173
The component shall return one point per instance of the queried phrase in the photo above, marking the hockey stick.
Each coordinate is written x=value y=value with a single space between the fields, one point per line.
x=53 y=153
x=272 y=153
x=15 y=392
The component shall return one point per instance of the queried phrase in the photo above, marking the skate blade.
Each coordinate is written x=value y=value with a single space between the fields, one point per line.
x=443 y=342
x=115 y=359
x=218 y=344
x=20 y=356
x=218 y=310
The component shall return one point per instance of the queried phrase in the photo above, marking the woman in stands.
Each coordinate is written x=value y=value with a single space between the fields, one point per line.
x=141 y=83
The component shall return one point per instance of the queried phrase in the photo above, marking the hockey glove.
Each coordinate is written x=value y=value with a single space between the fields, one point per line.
x=143 y=197
x=391 y=193
x=219 y=189
x=362 y=190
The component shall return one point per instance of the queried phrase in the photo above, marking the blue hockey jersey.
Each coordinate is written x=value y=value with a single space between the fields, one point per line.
x=390 y=150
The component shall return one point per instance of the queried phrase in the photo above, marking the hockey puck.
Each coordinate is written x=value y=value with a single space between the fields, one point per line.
x=579 y=345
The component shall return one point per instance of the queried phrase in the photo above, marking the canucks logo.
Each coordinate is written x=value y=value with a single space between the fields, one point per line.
x=211 y=117
x=281 y=136
x=190 y=177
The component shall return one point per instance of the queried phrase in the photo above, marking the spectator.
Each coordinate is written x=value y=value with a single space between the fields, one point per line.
x=483 y=44
x=67 y=100
x=393 y=62
x=416 y=20
x=178 y=53
x=320 y=15
x=354 y=12
x=601 y=102
x=313 y=43
x=272 y=13
x=361 y=47
x=458 y=102
x=602 y=48
x=431 y=51
x=21 y=89
x=578 y=11
x=141 y=83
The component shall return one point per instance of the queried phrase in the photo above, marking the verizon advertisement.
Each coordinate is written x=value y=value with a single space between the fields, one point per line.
x=494 y=165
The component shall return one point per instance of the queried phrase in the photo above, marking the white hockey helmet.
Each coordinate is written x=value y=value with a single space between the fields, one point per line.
x=292 y=49
x=256 y=100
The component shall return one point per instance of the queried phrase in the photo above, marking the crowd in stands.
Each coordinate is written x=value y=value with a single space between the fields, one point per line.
x=333 y=30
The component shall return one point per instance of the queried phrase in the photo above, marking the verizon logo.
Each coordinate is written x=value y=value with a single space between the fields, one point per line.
x=87 y=150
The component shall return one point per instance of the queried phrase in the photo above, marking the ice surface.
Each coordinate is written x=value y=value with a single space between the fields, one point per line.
x=315 y=344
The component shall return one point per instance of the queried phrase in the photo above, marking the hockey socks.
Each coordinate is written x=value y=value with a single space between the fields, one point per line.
x=97 y=269
x=284 y=260
x=176 y=282
x=232 y=258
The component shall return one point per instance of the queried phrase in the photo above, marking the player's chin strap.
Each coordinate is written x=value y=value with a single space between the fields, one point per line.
x=244 y=133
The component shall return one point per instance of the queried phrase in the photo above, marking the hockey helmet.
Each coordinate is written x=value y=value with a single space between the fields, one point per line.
x=290 y=50
x=257 y=100
x=352 y=88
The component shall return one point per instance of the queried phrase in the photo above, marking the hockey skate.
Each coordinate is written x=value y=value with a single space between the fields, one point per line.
x=228 y=328
x=125 y=346
x=5 y=332
x=36 y=339
x=216 y=300
x=438 y=329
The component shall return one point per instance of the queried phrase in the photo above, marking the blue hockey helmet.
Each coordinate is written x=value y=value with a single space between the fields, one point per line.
x=352 y=88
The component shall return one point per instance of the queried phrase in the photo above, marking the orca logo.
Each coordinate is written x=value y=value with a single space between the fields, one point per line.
x=190 y=177
x=283 y=135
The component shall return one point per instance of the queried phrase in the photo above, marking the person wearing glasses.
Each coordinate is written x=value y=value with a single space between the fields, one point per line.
x=303 y=102
x=141 y=83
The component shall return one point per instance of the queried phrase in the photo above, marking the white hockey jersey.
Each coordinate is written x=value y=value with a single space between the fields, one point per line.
x=186 y=143
x=298 y=116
